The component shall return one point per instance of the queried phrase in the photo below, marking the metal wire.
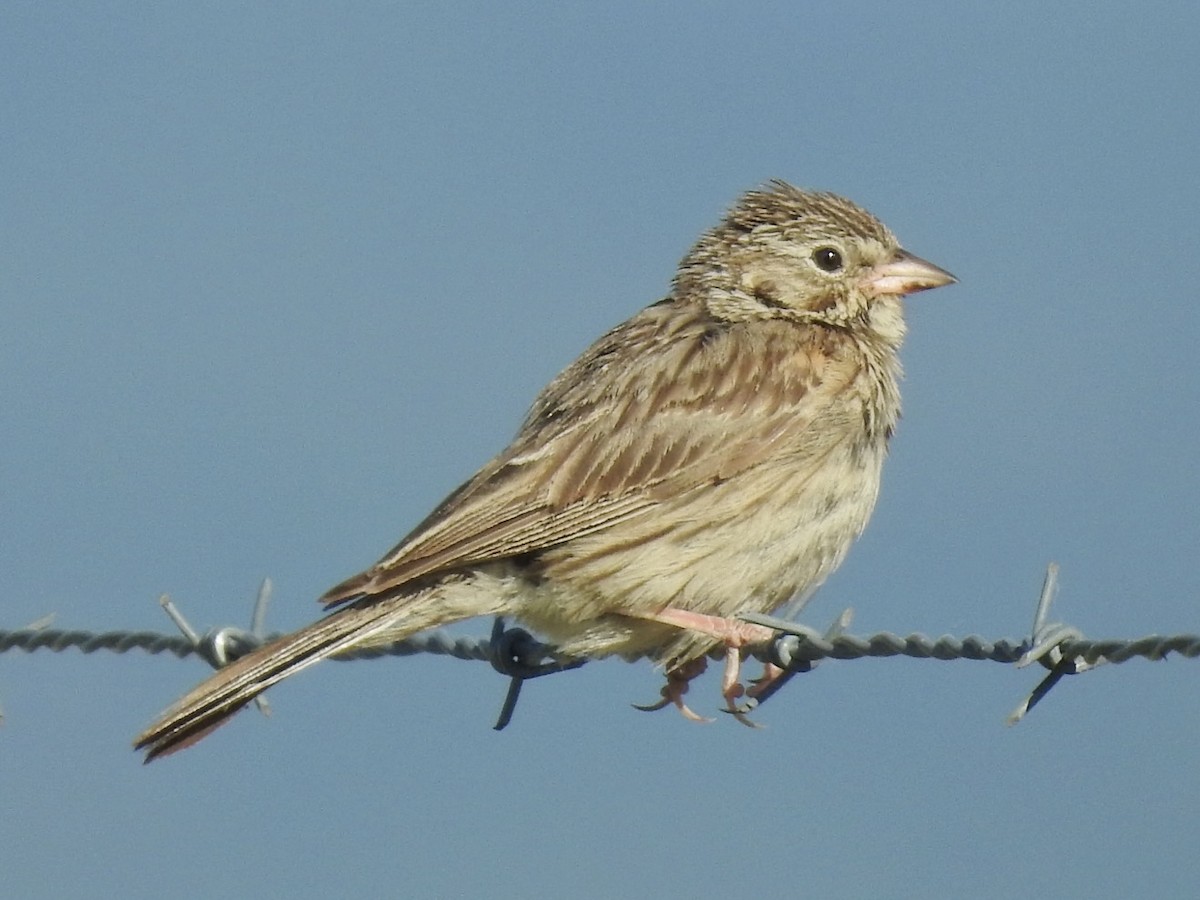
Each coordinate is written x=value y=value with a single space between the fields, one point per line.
x=797 y=648
x=810 y=647
x=439 y=643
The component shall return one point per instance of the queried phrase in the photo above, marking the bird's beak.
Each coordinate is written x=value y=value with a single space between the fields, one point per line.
x=904 y=274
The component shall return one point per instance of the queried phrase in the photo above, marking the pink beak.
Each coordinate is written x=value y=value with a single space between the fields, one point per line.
x=904 y=274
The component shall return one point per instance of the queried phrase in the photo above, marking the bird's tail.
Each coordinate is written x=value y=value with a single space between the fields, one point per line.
x=370 y=620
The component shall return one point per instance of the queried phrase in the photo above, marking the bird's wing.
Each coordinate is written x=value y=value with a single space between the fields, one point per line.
x=665 y=403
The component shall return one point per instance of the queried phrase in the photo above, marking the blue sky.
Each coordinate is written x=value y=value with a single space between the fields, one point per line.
x=275 y=279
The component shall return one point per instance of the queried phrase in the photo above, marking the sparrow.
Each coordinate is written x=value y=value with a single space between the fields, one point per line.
x=714 y=455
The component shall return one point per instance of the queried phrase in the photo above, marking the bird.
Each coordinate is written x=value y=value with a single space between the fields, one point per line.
x=715 y=454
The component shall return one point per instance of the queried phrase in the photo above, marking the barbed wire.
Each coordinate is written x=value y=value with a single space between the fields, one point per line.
x=439 y=642
x=515 y=653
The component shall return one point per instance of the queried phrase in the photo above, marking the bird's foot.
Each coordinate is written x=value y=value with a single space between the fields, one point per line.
x=760 y=689
x=734 y=634
x=676 y=687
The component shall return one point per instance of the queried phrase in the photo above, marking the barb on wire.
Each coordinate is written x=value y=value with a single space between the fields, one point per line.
x=515 y=653
x=36 y=625
x=221 y=646
x=1047 y=640
x=783 y=652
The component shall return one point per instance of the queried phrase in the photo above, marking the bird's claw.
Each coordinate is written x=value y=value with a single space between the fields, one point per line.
x=732 y=693
x=675 y=688
x=652 y=707
x=677 y=702
x=741 y=713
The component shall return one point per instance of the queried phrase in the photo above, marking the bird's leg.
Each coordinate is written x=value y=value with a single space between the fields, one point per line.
x=734 y=634
x=676 y=687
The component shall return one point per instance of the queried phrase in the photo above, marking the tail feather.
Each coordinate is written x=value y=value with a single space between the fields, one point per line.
x=214 y=701
x=368 y=620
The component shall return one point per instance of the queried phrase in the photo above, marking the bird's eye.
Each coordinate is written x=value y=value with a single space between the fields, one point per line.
x=828 y=259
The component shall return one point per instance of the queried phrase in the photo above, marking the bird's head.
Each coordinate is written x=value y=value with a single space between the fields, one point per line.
x=782 y=252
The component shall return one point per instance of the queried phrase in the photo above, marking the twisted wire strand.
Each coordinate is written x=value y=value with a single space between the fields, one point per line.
x=513 y=652
x=439 y=643
x=808 y=645
x=796 y=648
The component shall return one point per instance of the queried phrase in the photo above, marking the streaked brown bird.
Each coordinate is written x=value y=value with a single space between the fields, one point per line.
x=714 y=455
